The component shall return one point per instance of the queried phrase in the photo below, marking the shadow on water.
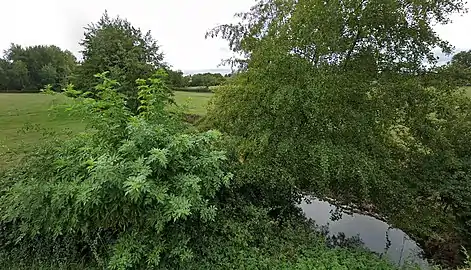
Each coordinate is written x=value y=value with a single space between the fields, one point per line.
x=376 y=235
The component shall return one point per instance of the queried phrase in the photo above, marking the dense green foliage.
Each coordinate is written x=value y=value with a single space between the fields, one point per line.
x=145 y=190
x=333 y=99
x=463 y=59
x=459 y=69
x=132 y=180
x=114 y=45
x=30 y=68
x=329 y=103
x=178 y=80
x=206 y=79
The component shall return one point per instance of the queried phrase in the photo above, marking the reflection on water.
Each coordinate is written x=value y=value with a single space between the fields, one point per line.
x=375 y=234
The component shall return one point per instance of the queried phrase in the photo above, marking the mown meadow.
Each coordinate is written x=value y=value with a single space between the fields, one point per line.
x=24 y=119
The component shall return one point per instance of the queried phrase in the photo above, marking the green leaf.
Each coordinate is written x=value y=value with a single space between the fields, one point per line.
x=208 y=213
x=136 y=187
x=159 y=155
x=179 y=207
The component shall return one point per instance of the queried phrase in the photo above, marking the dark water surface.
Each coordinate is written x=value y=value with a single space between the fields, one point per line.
x=374 y=233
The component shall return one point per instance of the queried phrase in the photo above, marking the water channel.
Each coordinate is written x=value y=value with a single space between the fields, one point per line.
x=375 y=234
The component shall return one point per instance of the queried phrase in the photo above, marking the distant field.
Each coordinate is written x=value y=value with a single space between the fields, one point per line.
x=20 y=110
x=196 y=102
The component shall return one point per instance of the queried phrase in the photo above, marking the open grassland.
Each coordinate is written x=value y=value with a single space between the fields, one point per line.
x=24 y=118
x=195 y=102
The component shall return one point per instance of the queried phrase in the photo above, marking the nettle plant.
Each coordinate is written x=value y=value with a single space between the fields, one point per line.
x=124 y=192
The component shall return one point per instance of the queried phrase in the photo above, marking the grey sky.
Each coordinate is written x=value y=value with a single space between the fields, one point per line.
x=178 y=25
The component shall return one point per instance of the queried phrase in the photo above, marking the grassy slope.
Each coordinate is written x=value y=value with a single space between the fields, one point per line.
x=20 y=110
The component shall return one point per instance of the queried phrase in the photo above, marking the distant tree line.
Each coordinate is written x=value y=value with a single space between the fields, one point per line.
x=178 y=79
x=32 y=67
x=111 y=45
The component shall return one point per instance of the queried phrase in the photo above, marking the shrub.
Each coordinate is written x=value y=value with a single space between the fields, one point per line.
x=124 y=192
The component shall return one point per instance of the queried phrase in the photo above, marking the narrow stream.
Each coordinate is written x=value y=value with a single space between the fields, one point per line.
x=374 y=233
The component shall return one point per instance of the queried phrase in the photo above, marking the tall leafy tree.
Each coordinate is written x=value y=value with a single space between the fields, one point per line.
x=462 y=58
x=176 y=78
x=459 y=68
x=114 y=45
x=330 y=103
x=4 y=74
x=18 y=75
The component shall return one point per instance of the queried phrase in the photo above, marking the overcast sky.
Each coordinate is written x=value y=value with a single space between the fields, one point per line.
x=178 y=25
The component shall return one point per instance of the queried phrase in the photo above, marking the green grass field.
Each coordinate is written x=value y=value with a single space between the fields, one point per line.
x=195 y=102
x=18 y=111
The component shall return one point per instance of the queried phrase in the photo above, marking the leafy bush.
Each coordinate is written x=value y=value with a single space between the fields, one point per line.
x=126 y=189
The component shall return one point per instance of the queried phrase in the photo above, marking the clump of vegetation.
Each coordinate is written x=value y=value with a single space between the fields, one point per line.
x=126 y=189
x=143 y=190
x=328 y=102
x=332 y=99
x=457 y=71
